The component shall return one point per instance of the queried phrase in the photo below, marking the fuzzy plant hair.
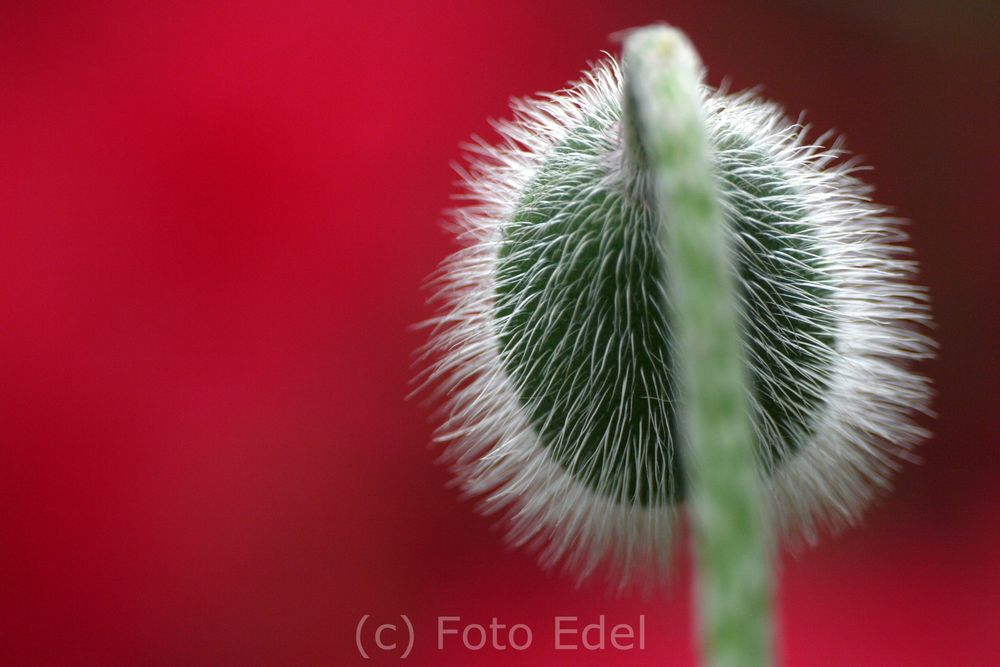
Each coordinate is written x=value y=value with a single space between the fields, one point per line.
x=551 y=356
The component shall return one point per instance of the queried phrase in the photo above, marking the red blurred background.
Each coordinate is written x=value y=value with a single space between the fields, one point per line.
x=214 y=221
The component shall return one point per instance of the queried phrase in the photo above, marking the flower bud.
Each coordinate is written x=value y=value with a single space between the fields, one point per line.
x=552 y=355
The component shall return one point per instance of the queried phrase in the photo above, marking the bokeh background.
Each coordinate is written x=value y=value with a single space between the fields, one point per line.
x=214 y=221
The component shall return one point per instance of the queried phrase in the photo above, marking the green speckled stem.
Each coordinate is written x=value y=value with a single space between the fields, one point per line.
x=666 y=129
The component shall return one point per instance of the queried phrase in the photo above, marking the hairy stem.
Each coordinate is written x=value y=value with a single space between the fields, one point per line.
x=665 y=128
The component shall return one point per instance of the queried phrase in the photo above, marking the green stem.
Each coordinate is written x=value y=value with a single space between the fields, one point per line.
x=666 y=130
